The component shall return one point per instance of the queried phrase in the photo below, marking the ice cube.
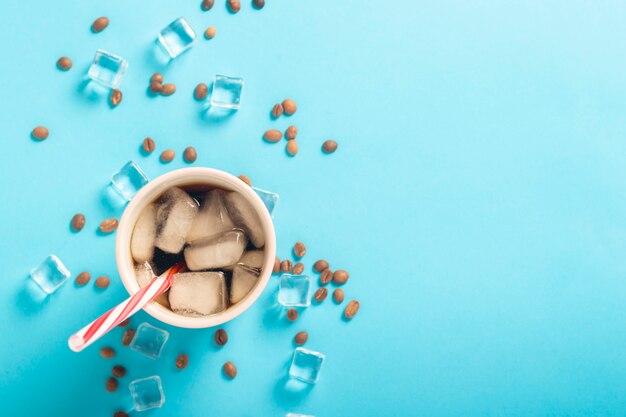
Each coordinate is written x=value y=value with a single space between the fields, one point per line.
x=198 y=293
x=147 y=393
x=269 y=198
x=50 y=274
x=293 y=290
x=226 y=93
x=144 y=234
x=215 y=252
x=107 y=69
x=306 y=365
x=177 y=37
x=253 y=259
x=144 y=273
x=128 y=180
x=149 y=340
x=244 y=279
x=212 y=219
x=175 y=215
x=244 y=216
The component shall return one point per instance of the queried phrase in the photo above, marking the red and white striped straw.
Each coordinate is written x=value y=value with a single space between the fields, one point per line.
x=101 y=326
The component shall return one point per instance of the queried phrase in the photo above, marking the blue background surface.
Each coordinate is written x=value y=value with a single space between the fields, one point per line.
x=477 y=199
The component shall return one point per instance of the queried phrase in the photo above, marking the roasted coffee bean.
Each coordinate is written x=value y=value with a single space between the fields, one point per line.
x=156 y=87
x=286 y=265
x=210 y=32
x=111 y=384
x=100 y=24
x=320 y=265
x=124 y=323
x=221 y=337
x=326 y=276
x=338 y=295
x=340 y=277
x=272 y=135
x=291 y=132
x=230 y=370
x=115 y=97
x=40 y=132
x=276 y=268
x=292 y=314
x=127 y=337
x=245 y=179
x=298 y=268
x=157 y=77
x=182 y=361
x=168 y=89
x=201 y=91
x=102 y=281
x=118 y=371
x=120 y=414
x=351 y=309
x=289 y=106
x=234 y=5
x=258 y=4
x=107 y=352
x=168 y=155
x=64 y=63
x=301 y=338
x=190 y=154
x=299 y=249
x=83 y=278
x=78 y=222
x=277 y=110
x=329 y=146
x=148 y=145
x=320 y=294
x=109 y=225
x=292 y=147
x=207 y=4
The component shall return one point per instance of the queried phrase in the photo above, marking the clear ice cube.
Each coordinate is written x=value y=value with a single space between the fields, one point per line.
x=212 y=219
x=177 y=37
x=216 y=252
x=107 y=69
x=306 y=365
x=245 y=216
x=269 y=198
x=198 y=293
x=147 y=393
x=128 y=180
x=50 y=274
x=144 y=235
x=175 y=216
x=293 y=290
x=149 y=340
x=226 y=93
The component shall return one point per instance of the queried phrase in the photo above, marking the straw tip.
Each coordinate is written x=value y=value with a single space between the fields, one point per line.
x=75 y=343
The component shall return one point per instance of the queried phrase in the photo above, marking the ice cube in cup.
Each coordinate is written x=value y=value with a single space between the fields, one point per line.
x=128 y=180
x=177 y=37
x=144 y=235
x=216 y=252
x=50 y=274
x=149 y=340
x=306 y=365
x=107 y=69
x=244 y=216
x=226 y=93
x=147 y=393
x=212 y=219
x=245 y=275
x=176 y=213
x=269 y=198
x=293 y=290
x=198 y=293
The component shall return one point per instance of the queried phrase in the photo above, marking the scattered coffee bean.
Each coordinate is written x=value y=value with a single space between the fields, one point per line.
x=273 y=135
x=329 y=146
x=230 y=370
x=245 y=179
x=207 y=4
x=83 y=278
x=289 y=106
x=102 y=281
x=221 y=337
x=156 y=87
x=107 y=352
x=78 y=222
x=190 y=154
x=291 y=132
x=338 y=295
x=298 y=268
x=168 y=155
x=321 y=294
x=326 y=276
x=301 y=338
x=148 y=145
x=64 y=63
x=299 y=249
x=182 y=361
x=111 y=384
x=124 y=323
x=286 y=265
x=292 y=314
x=201 y=91
x=351 y=309
x=258 y=4
x=157 y=77
x=128 y=336
x=340 y=277
x=118 y=371
x=210 y=32
x=115 y=97
x=168 y=89
x=234 y=6
x=120 y=414
x=320 y=265
x=109 y=225
x=277 y=110
x=276 y=268
x=40 y=132
x=292 y=147
x=100 y=24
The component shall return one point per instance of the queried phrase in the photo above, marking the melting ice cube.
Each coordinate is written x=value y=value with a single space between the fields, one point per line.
x=244 y=216
x=212 y=219
x=149 y=340
x=147 y=393
x=226 y=92
x=50 y=274
x=128 y=180
x=306 y=365
x=175 y=216
x=293 y=290
x=215 y=252
x=107 y=69
x=198 y=293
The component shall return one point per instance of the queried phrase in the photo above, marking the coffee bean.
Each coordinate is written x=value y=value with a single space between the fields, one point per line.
x=301 y=338
x=168 y=155
x=340 y=277
x=258 y=4
x=78 y=222
x=221 y=337
x=329 y=146
x=111 y=384
x=210 y=32
x=107 y=352
x=272 y=135
x=292 y=314
x=124 y=323
x=100 y=24
x=245 y=179
x=292 y=147
x=108 y=225
x=320 y=265
x=207 y=4
x=168 y=89
x=326 y=276
x=157 y=77
x=298 y=268
x=102 y=281
x=120 y=414
x=321 y=294
x=190 y=154
x=156 y=87
x=83 y=278
x=299 y=249
x=286 y=265
x=148 y=145
x=234 y=6
x=291 y=132
x=230 y=370
x=115 y=97
x=118 y=371
x=128 y=336
x=64 y=63
x=201 y=91
x=351 y=309
x=182 y=361
x=338 y=295
x=276 y=268
x=277 y=110
x=289 y=106
x=40 y=132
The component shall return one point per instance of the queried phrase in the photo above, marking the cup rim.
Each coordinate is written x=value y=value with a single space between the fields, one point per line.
x=146 y=195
